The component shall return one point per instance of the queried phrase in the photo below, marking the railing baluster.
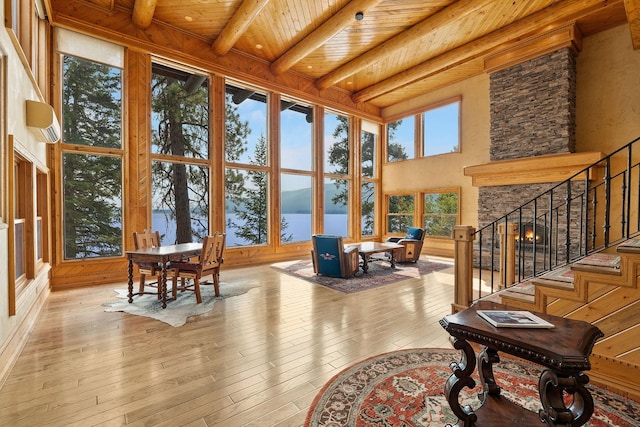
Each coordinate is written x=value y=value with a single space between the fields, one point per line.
x=567 y=238
x=547 y=251
x=627 y=199
x=607 y=201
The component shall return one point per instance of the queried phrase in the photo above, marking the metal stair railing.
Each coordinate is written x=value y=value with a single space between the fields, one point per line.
x=594 y=209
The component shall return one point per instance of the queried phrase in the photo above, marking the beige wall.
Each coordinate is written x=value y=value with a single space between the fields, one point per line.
x=19 y=87
x=608 y=92
x=446 y=170
x=607 y=110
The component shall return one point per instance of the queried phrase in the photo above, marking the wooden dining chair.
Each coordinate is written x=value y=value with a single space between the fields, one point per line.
x=144 y=240
x=208 y=263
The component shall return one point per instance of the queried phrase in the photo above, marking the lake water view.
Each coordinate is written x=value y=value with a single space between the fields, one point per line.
x=298 y=225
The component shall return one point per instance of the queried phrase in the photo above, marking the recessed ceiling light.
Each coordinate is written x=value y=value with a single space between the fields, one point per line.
x=188 y=18
x=258 y=46
x=309 y=67
x=359 y=16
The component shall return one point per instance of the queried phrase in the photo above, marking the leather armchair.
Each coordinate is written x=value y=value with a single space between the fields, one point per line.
x=330 y=258
x=412 y=243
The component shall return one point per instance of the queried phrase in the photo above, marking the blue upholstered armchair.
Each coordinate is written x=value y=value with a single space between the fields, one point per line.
x=412 y=243
x=330 y=257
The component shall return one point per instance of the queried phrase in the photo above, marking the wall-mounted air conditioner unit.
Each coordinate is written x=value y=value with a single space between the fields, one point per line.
x=42 y=118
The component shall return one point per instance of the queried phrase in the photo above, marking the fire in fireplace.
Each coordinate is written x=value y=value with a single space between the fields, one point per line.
x=529 y=236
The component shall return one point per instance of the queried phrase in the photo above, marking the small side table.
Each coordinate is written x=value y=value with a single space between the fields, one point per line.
x=563 y=350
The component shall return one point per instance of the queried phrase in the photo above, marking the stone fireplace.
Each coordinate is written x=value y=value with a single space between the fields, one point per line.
x=533 y=141
x=532 y=115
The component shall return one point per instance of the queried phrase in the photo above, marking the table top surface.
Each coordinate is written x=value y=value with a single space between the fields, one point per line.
x=566 y=346
x=370 y=247
x=167 y=250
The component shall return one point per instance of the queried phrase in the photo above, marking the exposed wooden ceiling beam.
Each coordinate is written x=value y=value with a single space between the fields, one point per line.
x=237 y=25
x=557 y=14
x=331 y=27
x=447 y=15
x=632 y=7
x=143 y=12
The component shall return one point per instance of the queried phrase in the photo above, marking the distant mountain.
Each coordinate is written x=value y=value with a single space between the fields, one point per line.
x=297 y=201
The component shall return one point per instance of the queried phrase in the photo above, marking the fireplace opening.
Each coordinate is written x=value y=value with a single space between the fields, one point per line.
x=531 y=234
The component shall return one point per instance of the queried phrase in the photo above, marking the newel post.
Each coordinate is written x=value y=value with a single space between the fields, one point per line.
x=463 y=235
x=507 y=254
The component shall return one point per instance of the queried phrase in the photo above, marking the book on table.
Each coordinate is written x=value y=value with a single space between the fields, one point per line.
x=513 y=319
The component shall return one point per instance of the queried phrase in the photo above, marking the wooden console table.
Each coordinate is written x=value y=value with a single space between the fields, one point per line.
x=564 y=350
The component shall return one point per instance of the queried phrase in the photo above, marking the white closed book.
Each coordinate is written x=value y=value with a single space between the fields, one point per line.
x=513 y=319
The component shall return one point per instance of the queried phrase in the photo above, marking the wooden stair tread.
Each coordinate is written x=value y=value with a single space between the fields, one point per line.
x=556 y=284
x=598 y=263
x=631 y=246
x=507 y=295
x=524 y=288
x=560 y=277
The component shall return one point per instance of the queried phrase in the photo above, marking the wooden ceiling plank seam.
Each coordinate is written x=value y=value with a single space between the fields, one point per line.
x=632 y=9
x=143 y=12
x=560 y=12
x=237 y=25
x=443 y=17
x=326 y=31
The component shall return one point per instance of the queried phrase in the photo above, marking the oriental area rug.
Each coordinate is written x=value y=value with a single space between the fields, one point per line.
x=380 y=274
x=178 y=311
x=406 y=388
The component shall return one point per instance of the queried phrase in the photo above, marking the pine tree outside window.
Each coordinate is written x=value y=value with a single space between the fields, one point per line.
x=92 y=176
x=400 y=213
x=247 y=172
x=440 y=213
x=180 y=153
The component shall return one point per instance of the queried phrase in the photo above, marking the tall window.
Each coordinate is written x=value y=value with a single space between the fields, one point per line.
x=400 y=213
x=296 y=164
x=441 y=129
x=23 y=222
x=369 y=177
x=401 y=139
x=247 y=174
x=337 y=177
x=440 y=213
x=180 y=154
x=92 y=159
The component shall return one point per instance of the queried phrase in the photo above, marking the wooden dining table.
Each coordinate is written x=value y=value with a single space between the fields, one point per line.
x=163 y=255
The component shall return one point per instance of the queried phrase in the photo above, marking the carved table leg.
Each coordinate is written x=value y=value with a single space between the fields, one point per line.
x=460 y=378
x=486 y=359
x=163 y=280
x=365 y=263
x=130 y=281
x=555 y=412
x=392 y=255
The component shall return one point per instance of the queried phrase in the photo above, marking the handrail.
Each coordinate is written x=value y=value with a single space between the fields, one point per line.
x=564 y=223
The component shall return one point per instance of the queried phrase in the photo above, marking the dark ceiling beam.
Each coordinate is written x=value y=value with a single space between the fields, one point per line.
x=143 y=11
x=632 y=8
x=327 y=30
x=237 y=25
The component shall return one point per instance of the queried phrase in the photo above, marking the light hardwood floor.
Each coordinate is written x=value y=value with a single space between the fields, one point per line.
x=257 y=359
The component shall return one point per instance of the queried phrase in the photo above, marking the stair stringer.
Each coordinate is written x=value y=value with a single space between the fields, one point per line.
x=606 y=297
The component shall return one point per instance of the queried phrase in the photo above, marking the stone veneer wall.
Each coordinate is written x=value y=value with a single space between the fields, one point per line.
x=532 y=113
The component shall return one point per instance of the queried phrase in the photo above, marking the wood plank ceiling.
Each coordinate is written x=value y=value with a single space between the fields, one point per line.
x=397 y=51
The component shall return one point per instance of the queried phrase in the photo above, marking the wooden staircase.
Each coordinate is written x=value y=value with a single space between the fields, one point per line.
x=601 y=289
